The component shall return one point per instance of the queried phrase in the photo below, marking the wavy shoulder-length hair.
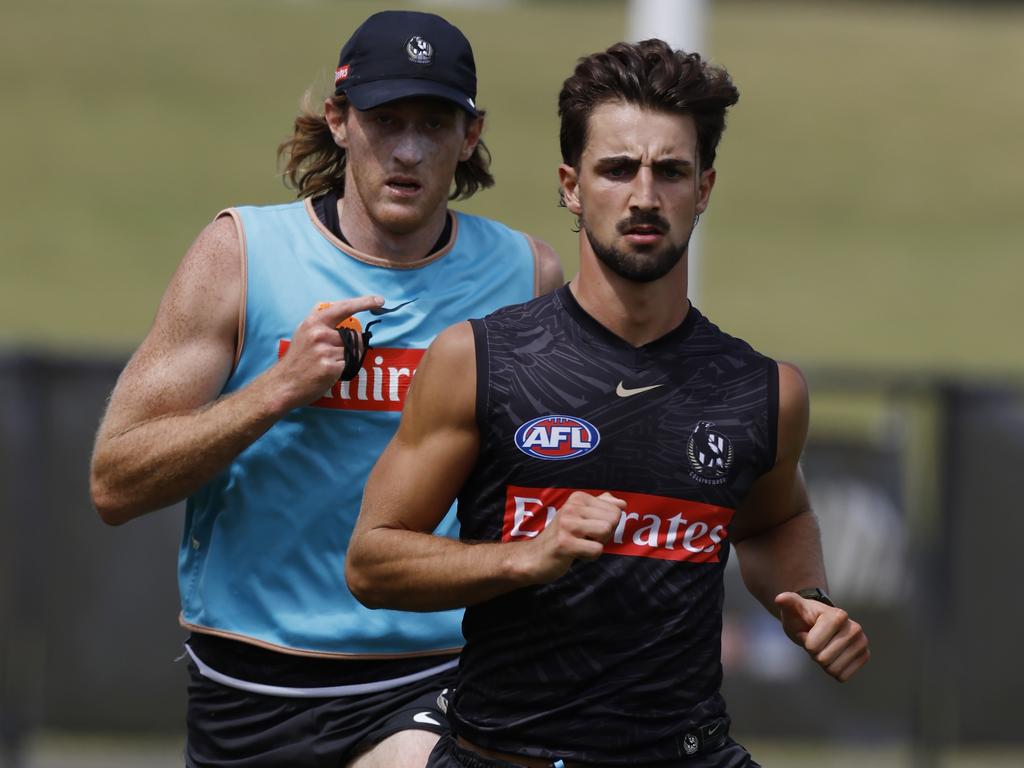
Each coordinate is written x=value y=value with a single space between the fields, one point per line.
x=314 y=164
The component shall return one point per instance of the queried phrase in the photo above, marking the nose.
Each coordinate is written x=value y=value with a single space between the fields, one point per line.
x=409 y=149
x=644 y=195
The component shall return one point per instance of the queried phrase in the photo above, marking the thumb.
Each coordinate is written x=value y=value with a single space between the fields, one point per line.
x=613 y=499
x=792 y=604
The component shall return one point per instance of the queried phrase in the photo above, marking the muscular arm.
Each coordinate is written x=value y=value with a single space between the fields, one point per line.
x=779 y=546
x=166 y=431
x=393 y=559
x=776 y=531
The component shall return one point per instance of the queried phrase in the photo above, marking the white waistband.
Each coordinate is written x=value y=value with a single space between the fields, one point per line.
x=323 y=692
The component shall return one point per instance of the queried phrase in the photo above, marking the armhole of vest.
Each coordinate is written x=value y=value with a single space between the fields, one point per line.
x=536 y=263
x=772 y=395
x=236 y=217
x=482 y=371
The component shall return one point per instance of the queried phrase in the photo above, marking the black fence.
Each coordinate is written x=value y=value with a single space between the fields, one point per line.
x=914 y=479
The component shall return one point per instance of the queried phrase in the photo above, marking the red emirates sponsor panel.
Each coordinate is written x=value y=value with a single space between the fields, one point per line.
x=650 y=526
x=380 y=385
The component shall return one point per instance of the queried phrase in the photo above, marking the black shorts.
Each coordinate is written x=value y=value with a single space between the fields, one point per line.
x=448 y=754
x=231 y=727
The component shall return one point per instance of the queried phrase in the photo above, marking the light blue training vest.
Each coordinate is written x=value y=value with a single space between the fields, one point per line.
x=263 y=552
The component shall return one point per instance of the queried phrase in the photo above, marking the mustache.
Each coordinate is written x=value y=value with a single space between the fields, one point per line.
x=643 y=219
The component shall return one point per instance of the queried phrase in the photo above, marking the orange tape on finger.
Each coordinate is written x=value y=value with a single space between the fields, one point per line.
x=352 y=323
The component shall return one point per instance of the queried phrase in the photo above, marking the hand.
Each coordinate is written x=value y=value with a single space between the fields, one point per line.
x=833 y=640
x=316 y=355
x=578 y=531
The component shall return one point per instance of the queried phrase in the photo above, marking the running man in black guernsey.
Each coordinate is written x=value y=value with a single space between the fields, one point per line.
x=608 y=446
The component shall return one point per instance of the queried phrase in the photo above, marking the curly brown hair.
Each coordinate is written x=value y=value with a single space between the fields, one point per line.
x=652 y=75
x=314 y=164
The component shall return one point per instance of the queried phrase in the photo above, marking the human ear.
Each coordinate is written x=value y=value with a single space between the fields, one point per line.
x=336 y=117
x=569 y=188
x=473 y=131
x=705 y=182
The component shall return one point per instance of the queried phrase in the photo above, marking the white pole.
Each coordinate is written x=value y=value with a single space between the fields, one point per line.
x=681 y=24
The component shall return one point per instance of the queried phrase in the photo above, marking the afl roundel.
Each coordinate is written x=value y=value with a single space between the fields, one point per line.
x=554 y=438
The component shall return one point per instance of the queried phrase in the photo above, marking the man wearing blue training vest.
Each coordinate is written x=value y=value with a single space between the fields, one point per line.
x=263 y=395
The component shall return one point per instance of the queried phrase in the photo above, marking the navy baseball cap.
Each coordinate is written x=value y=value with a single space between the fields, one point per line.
x=397 y=54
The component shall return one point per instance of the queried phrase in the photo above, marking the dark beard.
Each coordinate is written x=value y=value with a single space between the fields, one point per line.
x=644 y=266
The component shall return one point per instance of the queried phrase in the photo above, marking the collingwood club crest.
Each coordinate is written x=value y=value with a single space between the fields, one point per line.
x=419 y=50
x=690 y=744
x=710 y=454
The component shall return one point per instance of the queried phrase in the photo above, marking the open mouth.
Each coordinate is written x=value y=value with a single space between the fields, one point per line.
x=403 y=185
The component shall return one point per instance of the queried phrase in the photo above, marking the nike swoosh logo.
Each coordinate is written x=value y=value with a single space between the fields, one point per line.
x=621 y=391
x=713 y=731
x=388 y=310
x=425 y=718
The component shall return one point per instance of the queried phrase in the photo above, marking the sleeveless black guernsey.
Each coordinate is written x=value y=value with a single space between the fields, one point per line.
x=619 y=659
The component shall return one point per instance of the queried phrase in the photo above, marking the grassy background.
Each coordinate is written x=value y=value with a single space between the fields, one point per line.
x=868 y=210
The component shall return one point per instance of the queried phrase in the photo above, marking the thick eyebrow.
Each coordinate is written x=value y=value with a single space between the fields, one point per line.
x=627 y=161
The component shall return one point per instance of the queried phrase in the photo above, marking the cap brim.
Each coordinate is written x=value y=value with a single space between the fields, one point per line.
x=370 y=95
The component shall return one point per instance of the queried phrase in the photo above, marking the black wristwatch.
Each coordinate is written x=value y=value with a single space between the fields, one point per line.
x=816 y=593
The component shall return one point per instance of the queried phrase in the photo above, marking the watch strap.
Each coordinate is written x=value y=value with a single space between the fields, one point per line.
x=816 y=593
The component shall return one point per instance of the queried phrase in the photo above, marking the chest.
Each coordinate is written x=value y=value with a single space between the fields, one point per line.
x=696 y=429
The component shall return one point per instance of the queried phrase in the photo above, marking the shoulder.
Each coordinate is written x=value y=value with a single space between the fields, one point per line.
x=524 y=314
x=214 y=255
x=453 y=346
x=794 y=411
x=489 y=229
x=707 y=333
x=249 y=216
x=794 y=397
x=443 y=392
x=549 y=266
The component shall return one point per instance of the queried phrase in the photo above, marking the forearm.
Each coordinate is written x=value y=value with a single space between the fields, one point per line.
x=157 y=462
x=784 y=558
x=413 y=571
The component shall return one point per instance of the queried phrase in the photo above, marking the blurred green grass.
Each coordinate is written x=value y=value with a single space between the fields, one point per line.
x=867 y=210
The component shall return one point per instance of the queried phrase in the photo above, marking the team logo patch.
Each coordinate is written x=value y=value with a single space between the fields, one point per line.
x=554 y=438
x=710 y=454
x=341 y=73
x=690 y=744
x=419 y=50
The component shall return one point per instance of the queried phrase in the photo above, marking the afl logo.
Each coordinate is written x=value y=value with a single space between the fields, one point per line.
x=419 y=50
x=710 y=454
x=554 y=438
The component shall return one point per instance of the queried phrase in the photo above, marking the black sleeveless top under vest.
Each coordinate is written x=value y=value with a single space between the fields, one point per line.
x=619 y=659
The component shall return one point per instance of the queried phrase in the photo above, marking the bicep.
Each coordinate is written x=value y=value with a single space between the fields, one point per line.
x=189 y=352
x=420 y=472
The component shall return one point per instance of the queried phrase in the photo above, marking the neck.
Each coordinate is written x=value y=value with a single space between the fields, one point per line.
x=635 y=312
x=366 y=235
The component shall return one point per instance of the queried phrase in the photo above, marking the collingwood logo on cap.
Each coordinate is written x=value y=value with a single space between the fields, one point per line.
x=419 y=50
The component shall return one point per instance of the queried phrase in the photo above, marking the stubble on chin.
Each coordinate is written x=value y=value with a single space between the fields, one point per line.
x=644 y=265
